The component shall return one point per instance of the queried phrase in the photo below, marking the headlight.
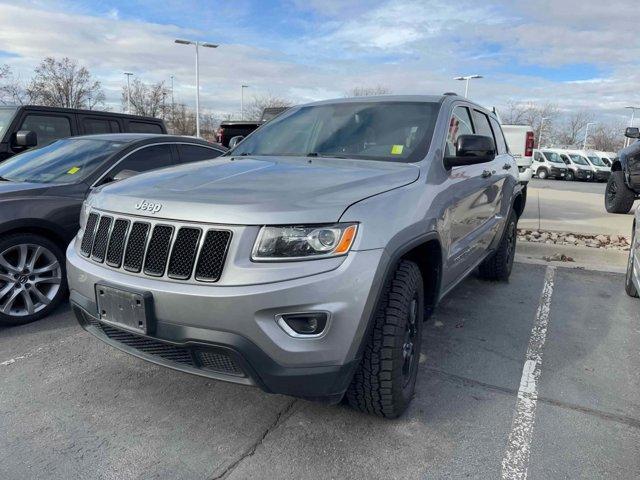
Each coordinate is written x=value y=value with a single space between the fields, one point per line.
x=303 y=242
x=84 y=213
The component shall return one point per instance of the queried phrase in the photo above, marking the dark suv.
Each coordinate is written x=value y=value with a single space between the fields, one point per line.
x=30 y=126
x=623 y=186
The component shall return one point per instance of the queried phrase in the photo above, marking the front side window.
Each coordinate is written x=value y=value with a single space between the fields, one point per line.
x=66 y=161
x=537 y=156
x=460 y=124
x=387 y=131
x=48 y=127
x=553 y=157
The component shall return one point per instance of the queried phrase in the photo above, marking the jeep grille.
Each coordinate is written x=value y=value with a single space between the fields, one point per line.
x=160 y=249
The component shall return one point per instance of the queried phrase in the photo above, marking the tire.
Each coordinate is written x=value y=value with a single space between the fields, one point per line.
x=618 y=198
x=629 y=287
x=498 y=266
x=542 y=174
x=32 y=278
x=384 y=382
x=569 y=176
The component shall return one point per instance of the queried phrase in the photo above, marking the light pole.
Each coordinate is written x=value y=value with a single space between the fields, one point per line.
x=242 y=87
x=541 y=129
x=467 y=79
x=586 y=135
x=633 y=116
x=128 y=74
x=197 y=45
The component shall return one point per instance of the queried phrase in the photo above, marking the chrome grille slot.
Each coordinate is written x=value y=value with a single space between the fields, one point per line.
x=102 y=239
x=158 y=250
x=89 y=232
x=117 y=242
x=134 y=255
x=183 y=256
x=212 y=255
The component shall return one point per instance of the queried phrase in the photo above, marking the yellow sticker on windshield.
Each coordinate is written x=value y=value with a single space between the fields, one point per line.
x=73 y=170
x=397 y=149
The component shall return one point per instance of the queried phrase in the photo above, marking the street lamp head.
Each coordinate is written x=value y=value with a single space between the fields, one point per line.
x=183 y=42
x=468 y=77
x=208 y=45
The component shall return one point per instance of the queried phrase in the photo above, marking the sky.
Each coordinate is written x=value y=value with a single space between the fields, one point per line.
x=577 y=54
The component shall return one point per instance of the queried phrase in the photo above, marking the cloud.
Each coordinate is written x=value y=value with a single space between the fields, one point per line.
x=410 y=46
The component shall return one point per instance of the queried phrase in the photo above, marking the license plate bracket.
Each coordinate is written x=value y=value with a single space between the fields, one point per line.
x=124 y=309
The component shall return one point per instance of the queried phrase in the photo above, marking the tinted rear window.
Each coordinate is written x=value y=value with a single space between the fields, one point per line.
x=144 y=127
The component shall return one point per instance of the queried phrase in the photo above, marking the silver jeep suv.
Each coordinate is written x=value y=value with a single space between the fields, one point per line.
x=306 y=260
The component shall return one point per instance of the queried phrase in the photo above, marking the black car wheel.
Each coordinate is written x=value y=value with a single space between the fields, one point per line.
x=385 y=380
x=629 y=286
x=32 y=278
x=618 y=198
x=569 y=176
x=542 y=173
x=498 y=266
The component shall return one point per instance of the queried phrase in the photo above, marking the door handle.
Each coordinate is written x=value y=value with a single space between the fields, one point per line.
x=486 y=174
x=506 y=166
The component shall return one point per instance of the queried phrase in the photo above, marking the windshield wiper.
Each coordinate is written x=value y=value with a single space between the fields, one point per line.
x=325 y=155
x=2 y=179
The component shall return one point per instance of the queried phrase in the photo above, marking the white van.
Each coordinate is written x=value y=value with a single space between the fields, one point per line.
x=520 y=141
x=600 y=170
x=578 y=168
x=548 y=165
x=606 y=157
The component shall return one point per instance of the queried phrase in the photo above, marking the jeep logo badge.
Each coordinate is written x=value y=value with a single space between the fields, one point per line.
x=149 y=206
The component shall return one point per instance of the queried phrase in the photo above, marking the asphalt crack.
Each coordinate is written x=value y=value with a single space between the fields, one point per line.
x=280 y=418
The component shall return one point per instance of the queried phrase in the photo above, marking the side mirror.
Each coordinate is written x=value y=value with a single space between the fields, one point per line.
x=26 y=139
x=124 y=174
x=632 y=132
x=235 y=140
x=471 y=150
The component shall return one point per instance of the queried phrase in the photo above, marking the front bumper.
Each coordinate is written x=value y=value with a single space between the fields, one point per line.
x=237 y=326
x=602 y=176
x=583 y=175
x=558 y=172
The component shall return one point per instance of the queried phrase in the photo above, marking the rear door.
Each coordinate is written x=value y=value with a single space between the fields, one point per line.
x=195 y=153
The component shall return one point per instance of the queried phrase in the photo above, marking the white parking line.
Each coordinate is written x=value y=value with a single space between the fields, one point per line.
x=516 y=457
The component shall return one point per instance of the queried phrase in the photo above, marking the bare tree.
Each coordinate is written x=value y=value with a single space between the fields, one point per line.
x=540 y=117
x=182 y=120
x=367 y=91
x=569 y=132
x=607 y=138
x=260 y=102
x=64 y=83
x=149 y=100
x=12 y=91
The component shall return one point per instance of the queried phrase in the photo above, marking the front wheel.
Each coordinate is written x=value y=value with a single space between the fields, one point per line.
x=498 y=266
x=618 y=198
x=542 y=174
x=385 y=380
x=32 y=279
x=569 y=176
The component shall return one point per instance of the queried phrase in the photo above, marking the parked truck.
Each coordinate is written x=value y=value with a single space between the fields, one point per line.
x=520 y=139
x=242 y=128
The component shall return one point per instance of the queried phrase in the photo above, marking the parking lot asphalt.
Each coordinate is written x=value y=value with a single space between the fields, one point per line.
x=74 y=408
x=576 y=207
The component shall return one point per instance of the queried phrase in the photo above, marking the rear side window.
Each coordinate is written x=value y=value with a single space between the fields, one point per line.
x=115 y=126
x=460 y=124
x=196 y=153
x=95 y=125
x=501 y=143
x=147 y=158
x=48 y=127
x=144 y=127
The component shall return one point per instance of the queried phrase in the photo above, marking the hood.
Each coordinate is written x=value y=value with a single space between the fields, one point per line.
x=21 y=189
x=255 y=190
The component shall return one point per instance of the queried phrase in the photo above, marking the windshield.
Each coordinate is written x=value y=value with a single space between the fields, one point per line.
x=388 y=131
x=553 y=157
x=65 y=161
x=579 y=159
x=597 y=161
x=6 y=115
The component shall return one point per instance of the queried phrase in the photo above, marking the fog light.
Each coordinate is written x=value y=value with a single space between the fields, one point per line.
x=305 y=325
